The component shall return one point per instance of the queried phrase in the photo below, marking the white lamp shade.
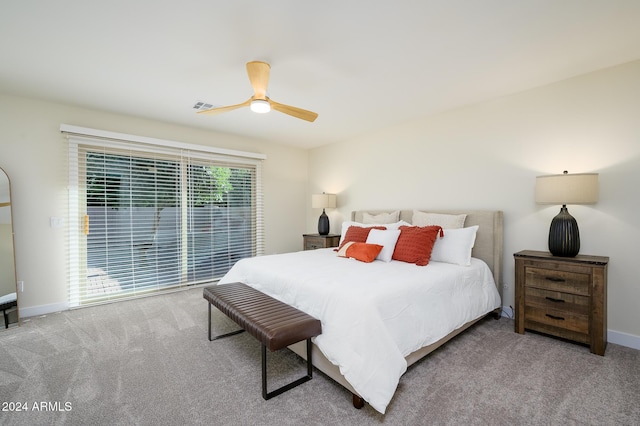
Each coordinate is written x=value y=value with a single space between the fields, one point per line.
x=322 y=201
x=579 y=188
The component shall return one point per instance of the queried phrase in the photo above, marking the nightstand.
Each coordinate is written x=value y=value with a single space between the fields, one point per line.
x=564 y=297
x=316 y=241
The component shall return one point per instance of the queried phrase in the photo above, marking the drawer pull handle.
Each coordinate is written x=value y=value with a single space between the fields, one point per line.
x=554 y=279
x=554 y=299
x=555 y=317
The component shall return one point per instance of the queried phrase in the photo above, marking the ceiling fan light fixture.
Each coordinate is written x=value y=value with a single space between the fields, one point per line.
x=258 y=73
x=260 y=106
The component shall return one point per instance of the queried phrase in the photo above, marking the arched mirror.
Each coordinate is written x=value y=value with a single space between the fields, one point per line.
x=8 y=293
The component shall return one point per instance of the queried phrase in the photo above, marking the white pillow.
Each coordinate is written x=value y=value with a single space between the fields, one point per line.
x=387 y=239
x=346 y=225
x=397 y=225
x=455 y=247
x=381 y=218
x=445 y=221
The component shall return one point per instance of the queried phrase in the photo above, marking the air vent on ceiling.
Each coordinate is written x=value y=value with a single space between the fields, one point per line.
x=202 y=106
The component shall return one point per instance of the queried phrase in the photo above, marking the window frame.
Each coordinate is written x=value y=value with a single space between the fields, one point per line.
x=79 y=139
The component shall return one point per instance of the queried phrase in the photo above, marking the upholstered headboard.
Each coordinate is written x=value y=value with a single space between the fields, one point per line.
x=488 y=245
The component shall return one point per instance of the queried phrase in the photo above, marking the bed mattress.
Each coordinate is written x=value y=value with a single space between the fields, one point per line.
x=373 y=314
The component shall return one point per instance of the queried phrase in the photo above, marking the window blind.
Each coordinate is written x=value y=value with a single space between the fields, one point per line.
x=145 y=218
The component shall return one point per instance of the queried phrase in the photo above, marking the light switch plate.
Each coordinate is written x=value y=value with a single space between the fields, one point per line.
x=56 y=222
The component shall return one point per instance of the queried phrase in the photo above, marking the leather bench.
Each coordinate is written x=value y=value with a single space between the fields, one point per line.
x=274 y=323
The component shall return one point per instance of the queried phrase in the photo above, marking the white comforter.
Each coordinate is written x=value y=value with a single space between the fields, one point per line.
x=372 y=314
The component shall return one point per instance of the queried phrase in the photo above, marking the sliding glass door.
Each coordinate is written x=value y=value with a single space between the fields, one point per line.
x=151 y=221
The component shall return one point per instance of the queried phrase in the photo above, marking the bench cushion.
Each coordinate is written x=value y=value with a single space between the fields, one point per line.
x=272 y=322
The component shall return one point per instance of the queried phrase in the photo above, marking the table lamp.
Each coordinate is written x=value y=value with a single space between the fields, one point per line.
x=579 y=188
x=322 y=201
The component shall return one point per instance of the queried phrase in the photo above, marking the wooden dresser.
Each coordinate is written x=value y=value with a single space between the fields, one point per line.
x=316 y=241
x=562 y=296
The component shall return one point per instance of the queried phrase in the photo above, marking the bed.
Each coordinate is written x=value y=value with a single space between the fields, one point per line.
x=378 y=318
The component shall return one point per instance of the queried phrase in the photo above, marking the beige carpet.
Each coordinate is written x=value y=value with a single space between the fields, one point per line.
x=149 y=362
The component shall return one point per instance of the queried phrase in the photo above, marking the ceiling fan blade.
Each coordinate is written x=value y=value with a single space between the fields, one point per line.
x=293 y=111
x=219 y=110
x=259 y=77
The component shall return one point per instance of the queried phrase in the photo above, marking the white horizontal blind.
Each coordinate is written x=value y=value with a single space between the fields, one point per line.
x=220 y=218
x=148 y=219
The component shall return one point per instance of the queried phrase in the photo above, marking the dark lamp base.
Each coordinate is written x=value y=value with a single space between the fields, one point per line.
x=564 y=237
x=323 y=224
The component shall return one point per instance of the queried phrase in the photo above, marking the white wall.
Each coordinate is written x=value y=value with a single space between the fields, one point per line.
x=34 y=154
x=487 y=156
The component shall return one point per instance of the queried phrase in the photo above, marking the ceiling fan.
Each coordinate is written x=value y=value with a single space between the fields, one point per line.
x=260 y=102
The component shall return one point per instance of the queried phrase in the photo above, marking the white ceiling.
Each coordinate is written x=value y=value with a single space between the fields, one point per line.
x=360 y=65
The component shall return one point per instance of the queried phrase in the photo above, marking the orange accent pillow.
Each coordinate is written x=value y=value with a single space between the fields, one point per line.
x=358 y=234
x=360 y=251
x=415 y=244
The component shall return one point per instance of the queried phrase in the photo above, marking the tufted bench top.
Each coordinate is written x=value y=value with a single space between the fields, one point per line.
x=274 y=323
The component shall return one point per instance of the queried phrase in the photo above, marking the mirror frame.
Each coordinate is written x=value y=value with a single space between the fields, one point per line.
x=13 y=247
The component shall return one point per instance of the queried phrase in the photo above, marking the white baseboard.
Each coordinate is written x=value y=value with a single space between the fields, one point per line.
x=42 y=309
x=623 y=339
x=615 y=337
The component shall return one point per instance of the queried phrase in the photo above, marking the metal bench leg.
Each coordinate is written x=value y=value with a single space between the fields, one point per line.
x=309 y=376
x=233 y=333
